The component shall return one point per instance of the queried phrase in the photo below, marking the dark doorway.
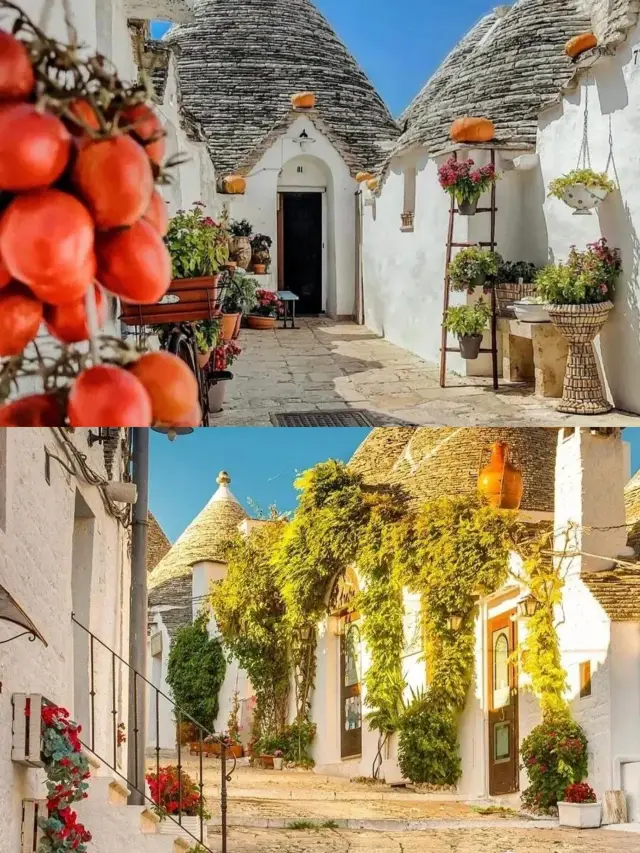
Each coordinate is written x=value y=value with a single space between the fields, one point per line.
x=503 y=706
x=350 y=692
x=300 y=249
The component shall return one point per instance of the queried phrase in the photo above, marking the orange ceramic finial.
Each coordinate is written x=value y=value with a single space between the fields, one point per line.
x=501 y=482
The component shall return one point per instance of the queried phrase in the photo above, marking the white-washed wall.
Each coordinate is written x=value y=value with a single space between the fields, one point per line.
x=36 y=567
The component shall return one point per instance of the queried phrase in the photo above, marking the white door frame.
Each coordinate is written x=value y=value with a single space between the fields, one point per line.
x=325 y=232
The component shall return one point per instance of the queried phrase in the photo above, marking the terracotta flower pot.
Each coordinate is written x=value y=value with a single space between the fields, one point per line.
x=203 y=358
x=241 y=251
x=501 y=482
x=236 y=331
x=228 y=323
x=260 y=269
x=255 y=321
x=580 y=325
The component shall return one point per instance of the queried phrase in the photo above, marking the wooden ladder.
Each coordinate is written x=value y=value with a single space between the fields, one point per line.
x=451 y=245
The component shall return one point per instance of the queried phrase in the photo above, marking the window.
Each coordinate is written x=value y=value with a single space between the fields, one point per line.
x=409 y=205
x=585 y=679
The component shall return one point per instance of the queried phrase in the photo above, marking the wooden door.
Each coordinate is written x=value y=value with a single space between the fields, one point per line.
x=350 y=691
x=503 y=706
x=301 y=249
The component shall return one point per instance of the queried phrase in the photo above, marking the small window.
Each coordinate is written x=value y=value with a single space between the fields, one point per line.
x=409 y=205
x=585 y=679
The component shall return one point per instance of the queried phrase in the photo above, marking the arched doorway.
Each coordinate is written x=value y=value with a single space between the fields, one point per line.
x=304 y=188
x=342 y=606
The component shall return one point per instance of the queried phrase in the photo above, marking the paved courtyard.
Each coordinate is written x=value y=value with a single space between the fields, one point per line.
x=327 y=366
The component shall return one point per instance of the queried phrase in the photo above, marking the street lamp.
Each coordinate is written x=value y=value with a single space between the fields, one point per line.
x=528 y=607
x=454 y=623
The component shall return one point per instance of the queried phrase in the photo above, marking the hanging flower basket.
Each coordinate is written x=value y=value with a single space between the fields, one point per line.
x=582 y=189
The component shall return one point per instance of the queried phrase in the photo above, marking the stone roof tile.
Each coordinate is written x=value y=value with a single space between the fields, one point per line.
x=240 y=61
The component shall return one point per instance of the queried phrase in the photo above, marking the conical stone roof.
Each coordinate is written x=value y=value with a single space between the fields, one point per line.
x=203 y=539
x=240 y=61
x=430 y=463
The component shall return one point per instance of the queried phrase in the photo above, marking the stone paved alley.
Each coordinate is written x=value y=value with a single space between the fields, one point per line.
x=326 y=366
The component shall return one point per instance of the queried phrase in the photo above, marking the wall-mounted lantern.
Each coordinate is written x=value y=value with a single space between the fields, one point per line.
x=528 y=607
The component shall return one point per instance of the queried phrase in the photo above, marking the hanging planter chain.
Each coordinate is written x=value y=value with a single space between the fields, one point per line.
x=584 y=156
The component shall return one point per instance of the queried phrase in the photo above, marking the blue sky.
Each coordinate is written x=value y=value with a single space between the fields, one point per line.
x=398 y=44
x=262 y=463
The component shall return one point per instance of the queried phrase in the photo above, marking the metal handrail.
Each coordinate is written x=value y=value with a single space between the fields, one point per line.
x=204 y=735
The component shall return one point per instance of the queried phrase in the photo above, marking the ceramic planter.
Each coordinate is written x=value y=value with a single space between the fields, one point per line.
x=278 y=763
x=580 y=815
x=260 y=269
x=241 y=251
x=216 y=397
x=256 y=321
x=470 y=346
x=580 y=325
x=188 y=825
x=583 y=199
x=228 y=323
x=531 y=312
x=468 y=208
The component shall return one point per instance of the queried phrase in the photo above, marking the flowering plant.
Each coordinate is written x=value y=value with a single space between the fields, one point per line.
x=554 y=756
x=67 y=770
x=197 y=243
x=122 y=734
x=586 y=277
x=471 y=267
x=224 y=355
x=174 y=792
x=278 y=753
x=268 y=304
x=463 y=182
x=579 y=792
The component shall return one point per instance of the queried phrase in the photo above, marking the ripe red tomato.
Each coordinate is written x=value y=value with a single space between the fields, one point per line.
x=107 y=396
x=20 y=318
x=82 y=110
x=46 y=241
x=171 y=385
x=147 y=128
x=34 y=148
x=16 y=73
x=134 y=264
x=157 y=214
x=68 y=323
x=114 y=178
x=37 y=410
x=5 y=275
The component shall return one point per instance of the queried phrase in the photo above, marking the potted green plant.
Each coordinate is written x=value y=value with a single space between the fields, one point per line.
x=467 y=323
x=579 y=807
x=247 y=288
x=471 y=268
x=582 y=189
x=465 y=183
x=578 y=296
x=197 y=243
x=240 y=243
x=207 y=338
x=261 y=249
x=265 y=313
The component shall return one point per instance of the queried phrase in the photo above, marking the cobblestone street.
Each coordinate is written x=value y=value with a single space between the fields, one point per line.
x=327 y=366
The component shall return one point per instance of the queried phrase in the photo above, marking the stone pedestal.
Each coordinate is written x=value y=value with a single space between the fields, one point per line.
x=580 y=325
x=534 y=351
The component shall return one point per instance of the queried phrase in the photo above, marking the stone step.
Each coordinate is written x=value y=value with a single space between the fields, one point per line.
x=383 y=825
x=396 y=796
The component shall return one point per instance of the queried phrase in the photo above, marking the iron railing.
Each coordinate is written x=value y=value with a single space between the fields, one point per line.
x=106 y=682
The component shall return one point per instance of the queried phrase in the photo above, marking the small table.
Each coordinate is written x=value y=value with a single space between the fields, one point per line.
x=289 y=300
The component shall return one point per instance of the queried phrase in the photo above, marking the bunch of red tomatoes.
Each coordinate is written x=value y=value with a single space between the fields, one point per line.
x=79 y=212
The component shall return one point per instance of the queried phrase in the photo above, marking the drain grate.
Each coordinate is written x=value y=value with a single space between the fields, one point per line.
x=338 y=418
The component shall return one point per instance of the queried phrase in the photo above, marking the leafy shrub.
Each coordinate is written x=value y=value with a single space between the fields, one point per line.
x=471 y=267
x=428 y=742
x=196 y=671
x=587 y=177
x=197 y=244
x=554 y=756
x=587 y=277
x=512 y=271
x=175 y=793
x=579 y=792
x=240 y=228
x=293 y=742
x=467 y=320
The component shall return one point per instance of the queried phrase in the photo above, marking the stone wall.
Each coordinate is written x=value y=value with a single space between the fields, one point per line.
x=60 y=552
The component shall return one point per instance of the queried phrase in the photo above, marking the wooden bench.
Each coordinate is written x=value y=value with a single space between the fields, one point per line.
x=289 y=299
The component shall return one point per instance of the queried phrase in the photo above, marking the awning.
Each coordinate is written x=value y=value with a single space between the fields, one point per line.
x=10 y=611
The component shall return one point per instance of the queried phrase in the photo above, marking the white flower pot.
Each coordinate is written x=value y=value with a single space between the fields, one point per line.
x=190 y=827
x=278 y=763
x=529 y=312
x=580 y=815
x=583 y=198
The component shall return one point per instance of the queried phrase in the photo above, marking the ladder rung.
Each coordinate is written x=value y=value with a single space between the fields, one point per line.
x=454 y=349
x=477 y=243
x=481 y=210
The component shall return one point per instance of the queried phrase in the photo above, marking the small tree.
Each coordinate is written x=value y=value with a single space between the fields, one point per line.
x=196 y=671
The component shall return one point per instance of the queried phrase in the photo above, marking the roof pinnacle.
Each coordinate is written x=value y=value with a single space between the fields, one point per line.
x=223 y=479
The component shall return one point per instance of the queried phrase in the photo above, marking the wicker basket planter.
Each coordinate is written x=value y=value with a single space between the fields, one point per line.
x=256 y=321
x=580 y=325
x=508 y=293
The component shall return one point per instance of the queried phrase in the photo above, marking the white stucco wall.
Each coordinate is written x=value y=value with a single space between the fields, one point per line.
x=59 y=552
